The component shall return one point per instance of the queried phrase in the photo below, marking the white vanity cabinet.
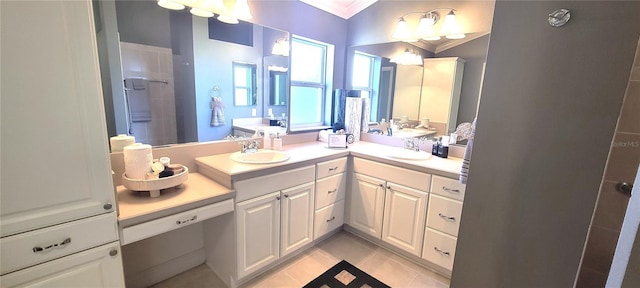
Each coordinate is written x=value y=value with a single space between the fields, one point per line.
x=273 y=224
x=58 y=219
x=330 y=193
x=443 y=221
x=389 y=204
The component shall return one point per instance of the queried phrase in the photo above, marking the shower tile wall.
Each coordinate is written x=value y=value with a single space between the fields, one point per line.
x=155 y=63
x=622 y=166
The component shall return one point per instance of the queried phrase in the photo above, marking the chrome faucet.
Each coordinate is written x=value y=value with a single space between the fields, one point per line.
x=403 y=125
x=412 y=144
x=250 y=146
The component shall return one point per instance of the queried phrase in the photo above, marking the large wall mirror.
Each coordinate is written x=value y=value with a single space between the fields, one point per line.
x=399 y=89
x=196 y=75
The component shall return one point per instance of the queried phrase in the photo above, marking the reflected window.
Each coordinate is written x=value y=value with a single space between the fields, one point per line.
x=308 y=81
x=244 y=84
x=363 y=78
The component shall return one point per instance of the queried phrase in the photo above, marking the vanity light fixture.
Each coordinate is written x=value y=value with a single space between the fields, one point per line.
x=208 y=8
x=281 y=47
x=450 y=29
x=408 y=58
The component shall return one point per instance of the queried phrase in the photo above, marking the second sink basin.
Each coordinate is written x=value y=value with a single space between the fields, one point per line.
x=407 y=154
x=260 y=157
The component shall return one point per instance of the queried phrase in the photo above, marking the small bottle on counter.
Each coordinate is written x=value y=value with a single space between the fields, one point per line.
x=443 y=148
x=277 y=142
x=266 y=140
x=434 y=147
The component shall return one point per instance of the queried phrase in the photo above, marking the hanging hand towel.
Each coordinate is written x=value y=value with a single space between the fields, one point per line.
x=466 y=161
x=217 y=112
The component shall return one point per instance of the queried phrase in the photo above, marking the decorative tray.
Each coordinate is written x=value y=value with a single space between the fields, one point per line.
x=155 y=185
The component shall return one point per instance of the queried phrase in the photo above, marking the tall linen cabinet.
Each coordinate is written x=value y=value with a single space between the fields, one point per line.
x=58 y=219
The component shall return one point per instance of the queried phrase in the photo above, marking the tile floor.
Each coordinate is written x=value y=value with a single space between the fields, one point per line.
x=387 y=267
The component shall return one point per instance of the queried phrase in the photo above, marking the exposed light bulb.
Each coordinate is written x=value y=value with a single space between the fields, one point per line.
x=168 y=4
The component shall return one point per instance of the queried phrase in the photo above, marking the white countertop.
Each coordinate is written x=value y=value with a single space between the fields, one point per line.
x=224 y=170
x=137 y=207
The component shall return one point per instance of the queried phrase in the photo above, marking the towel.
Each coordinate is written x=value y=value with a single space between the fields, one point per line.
x=138 y=99
x=217 y=112
x=466 y=161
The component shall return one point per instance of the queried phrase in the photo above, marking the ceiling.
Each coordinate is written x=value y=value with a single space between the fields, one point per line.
x=341 y=8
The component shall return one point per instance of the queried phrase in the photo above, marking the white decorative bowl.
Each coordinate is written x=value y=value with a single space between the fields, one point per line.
x=155 y=185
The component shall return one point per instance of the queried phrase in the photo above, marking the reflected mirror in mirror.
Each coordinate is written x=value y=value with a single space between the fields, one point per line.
x=181 y=58
x=404 y=90
x=244 y=84
x=279 y=89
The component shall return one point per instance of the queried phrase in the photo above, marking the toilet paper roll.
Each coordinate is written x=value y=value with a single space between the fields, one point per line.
x=137 y=160
x=120 y=141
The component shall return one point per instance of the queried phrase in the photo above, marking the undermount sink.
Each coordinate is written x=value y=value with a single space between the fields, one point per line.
x=407 y=154
x=260 y=157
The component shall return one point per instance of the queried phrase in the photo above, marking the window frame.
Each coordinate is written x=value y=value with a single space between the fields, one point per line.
x=321 y=85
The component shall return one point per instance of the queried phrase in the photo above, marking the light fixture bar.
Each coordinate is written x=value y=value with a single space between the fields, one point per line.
x=426 y=28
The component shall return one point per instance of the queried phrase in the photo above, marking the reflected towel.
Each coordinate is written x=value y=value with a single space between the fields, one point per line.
x=466 y=161
x=138 y=99
x=217 y=112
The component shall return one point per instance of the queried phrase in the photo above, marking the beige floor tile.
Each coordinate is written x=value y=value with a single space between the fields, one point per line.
x=426 y=280
x=279 y=280
x=345 y=246
x=310 y=267
x=387 y=270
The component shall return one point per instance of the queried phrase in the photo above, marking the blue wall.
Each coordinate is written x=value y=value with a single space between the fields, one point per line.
x=213 y=61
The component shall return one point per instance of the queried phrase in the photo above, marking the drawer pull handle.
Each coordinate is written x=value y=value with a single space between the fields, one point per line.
x=332 y=191
x=332 y=218
x=194 y=218
x=445 y=217
x=450 y=190
x=39 y=249
x=333 y=168
x=441 y=252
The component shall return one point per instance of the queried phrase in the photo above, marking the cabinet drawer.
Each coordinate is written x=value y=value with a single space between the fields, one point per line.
x=448 y=187
x=30 y=248
x=259 y=186
x=402 y=176
x=330 y=190
x=444 y=214
x=328 y=218
x=158 y=226
x=332 y=167
x=439 y=248
x=97 y=267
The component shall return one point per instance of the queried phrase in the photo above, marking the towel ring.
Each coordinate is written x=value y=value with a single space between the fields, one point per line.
x=215 y=92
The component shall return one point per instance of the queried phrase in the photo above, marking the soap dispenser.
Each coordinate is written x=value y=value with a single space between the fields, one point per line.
x=443 y=148
x=277 y=143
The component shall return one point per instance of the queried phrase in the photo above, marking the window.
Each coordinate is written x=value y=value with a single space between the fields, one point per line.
x=309 y=85
x=364 y=79
x=244 y=84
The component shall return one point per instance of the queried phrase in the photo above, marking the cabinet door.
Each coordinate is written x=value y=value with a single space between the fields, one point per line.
x=97 y=267
x=367 y=203
x=52 y=116
x=404 y=218
x=258 y=226
x=297 y=217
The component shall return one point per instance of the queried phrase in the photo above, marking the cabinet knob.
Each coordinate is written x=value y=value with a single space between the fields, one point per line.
x=113 y=252
x=388 y=187
x=624 y=188
x=277 y=197
x=286 y=195
x=107 y=206
x=381 y=185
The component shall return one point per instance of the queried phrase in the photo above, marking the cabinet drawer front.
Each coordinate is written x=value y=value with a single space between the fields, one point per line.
x=439 y=248
x=448 y=187
x=444 y=214
x=30 y=248
x=328 y=219
x=330 y=190
x=97 y=267
x=158 y=226
x=406 y=177
x=332 y=167
x=259 y=186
